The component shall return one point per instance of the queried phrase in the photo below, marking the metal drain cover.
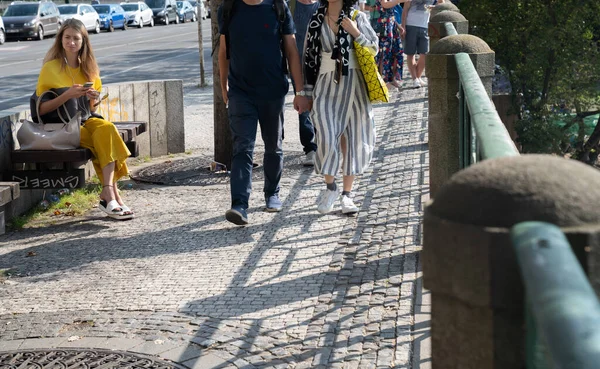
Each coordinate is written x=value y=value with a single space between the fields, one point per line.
x=80 y=358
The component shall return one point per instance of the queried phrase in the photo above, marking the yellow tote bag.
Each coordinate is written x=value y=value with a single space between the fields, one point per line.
x=378 y=91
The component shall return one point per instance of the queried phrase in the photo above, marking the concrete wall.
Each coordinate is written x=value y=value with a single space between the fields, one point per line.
x=160 y=103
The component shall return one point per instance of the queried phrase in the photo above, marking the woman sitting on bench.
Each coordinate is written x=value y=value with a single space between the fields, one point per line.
x=68 y=66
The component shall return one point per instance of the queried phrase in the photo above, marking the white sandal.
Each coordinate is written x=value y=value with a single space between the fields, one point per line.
x=110 y=210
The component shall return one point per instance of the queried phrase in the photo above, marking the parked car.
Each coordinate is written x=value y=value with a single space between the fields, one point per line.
x=84 y=12
x=165 y=11
x=111 y=16
x=202 y=14
x=186 y=11
x=2 y=32
x=138 y=14
x=31 y=19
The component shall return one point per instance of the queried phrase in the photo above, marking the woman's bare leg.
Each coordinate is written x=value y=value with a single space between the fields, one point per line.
x=108 y=173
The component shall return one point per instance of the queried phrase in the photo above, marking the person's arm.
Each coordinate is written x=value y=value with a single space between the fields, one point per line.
x=386 y=4
x=223 y=67
x=362 y=32
x=405 y=13
x=293 y=58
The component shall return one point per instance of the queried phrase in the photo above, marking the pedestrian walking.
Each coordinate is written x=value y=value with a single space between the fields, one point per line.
x=415 y=21
x=255 y=35
x=389 y=40
x=341 y=110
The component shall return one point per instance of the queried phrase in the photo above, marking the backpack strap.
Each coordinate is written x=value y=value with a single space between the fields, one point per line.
x=227 y=10
x=292 y=6
x=281 y=15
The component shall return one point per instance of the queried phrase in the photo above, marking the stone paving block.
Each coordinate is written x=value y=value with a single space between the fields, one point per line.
x=183 y=353
x=37 y=343
x=205 y=361
x=120 y=343
x=156 y=347
x=84 y=342
x=10 y=345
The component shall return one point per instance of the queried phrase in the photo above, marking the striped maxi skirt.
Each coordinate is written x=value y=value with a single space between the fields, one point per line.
x=342 y=110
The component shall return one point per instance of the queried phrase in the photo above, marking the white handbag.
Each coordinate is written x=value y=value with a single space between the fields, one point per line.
x=63 y=135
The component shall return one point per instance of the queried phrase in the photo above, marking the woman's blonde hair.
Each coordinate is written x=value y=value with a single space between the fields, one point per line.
x=87 y=60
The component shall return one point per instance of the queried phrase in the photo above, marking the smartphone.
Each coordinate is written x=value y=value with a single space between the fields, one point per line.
x=88 y=84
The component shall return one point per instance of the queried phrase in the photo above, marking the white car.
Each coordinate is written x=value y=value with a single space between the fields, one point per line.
x=138 y=14
x=83 y=12
x=2 y=32
x=202 y=9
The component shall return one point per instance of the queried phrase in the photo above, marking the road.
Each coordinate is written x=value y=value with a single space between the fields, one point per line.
x=161 y=52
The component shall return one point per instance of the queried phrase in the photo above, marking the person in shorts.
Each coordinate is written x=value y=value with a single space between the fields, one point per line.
x=415 y=21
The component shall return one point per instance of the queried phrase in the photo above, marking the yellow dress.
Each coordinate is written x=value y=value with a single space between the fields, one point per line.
x=98 y=135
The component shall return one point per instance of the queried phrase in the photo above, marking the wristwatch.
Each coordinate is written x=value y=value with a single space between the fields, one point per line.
x=301 y=93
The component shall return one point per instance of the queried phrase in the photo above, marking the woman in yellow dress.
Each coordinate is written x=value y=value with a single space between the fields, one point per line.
x=68 y=66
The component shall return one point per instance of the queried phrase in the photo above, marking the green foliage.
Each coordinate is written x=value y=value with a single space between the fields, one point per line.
x=551 y=53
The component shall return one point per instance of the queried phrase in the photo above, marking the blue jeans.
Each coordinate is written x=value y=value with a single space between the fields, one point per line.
x=307 y=130
x=244 y=114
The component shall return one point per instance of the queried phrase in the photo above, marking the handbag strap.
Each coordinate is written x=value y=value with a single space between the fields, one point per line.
x=37 y=108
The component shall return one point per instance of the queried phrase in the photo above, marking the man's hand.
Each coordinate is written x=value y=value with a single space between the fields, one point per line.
x=301 y=104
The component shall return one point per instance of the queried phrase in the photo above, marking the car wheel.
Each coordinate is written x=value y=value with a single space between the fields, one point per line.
x=193 y=17
x=97 y=28
x=2 y=37
x=40 y=33
x=111 y=28
x=152 y=22
x=166 y=20
x=141 y=24
x=124 y=26
x=177 y=20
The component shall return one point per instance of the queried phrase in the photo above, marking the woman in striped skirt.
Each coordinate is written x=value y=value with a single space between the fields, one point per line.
x=341 y=110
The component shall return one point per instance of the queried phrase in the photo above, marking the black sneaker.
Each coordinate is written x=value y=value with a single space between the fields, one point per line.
x=237 y=215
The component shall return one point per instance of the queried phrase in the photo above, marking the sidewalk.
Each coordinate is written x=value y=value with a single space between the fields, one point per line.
x=294 y=289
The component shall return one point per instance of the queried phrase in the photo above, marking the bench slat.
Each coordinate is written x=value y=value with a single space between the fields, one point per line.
x=51 y=156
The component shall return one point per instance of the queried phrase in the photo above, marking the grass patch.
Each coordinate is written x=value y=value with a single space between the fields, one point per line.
x=73 y=204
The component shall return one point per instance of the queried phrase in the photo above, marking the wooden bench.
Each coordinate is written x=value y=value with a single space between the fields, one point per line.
x=56 y=169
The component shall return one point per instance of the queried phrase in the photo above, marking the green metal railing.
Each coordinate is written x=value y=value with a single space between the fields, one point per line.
x=565 y=332
x=481 y=131
x=563 y=312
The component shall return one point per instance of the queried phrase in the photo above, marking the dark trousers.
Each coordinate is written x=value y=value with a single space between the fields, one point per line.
x=306 y=130
x=244 y=114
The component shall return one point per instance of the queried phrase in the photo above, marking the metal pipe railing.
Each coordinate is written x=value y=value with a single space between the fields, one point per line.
x=493 y=140
x=565 y=311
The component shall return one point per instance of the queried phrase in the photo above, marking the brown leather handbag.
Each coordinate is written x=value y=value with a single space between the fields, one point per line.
x=64 y=135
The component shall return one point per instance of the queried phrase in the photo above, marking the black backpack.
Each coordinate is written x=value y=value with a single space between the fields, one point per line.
x=279 y=8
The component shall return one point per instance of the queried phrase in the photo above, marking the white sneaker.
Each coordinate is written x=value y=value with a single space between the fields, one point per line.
x=416 y=83
x=348 y=206
x=309 y=159
x=326 y=201
x=422 y=82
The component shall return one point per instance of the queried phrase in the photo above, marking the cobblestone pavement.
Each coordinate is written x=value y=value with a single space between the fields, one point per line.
x=294 y=289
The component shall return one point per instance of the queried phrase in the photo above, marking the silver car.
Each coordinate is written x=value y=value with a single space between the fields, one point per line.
x=83 y=12
x=31 y=19
x=138 y=14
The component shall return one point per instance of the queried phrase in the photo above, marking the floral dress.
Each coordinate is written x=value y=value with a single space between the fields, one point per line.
x=391 y=53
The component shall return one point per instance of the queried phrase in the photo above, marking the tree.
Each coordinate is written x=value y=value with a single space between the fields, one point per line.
x=223 y=141
x=550 y=52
